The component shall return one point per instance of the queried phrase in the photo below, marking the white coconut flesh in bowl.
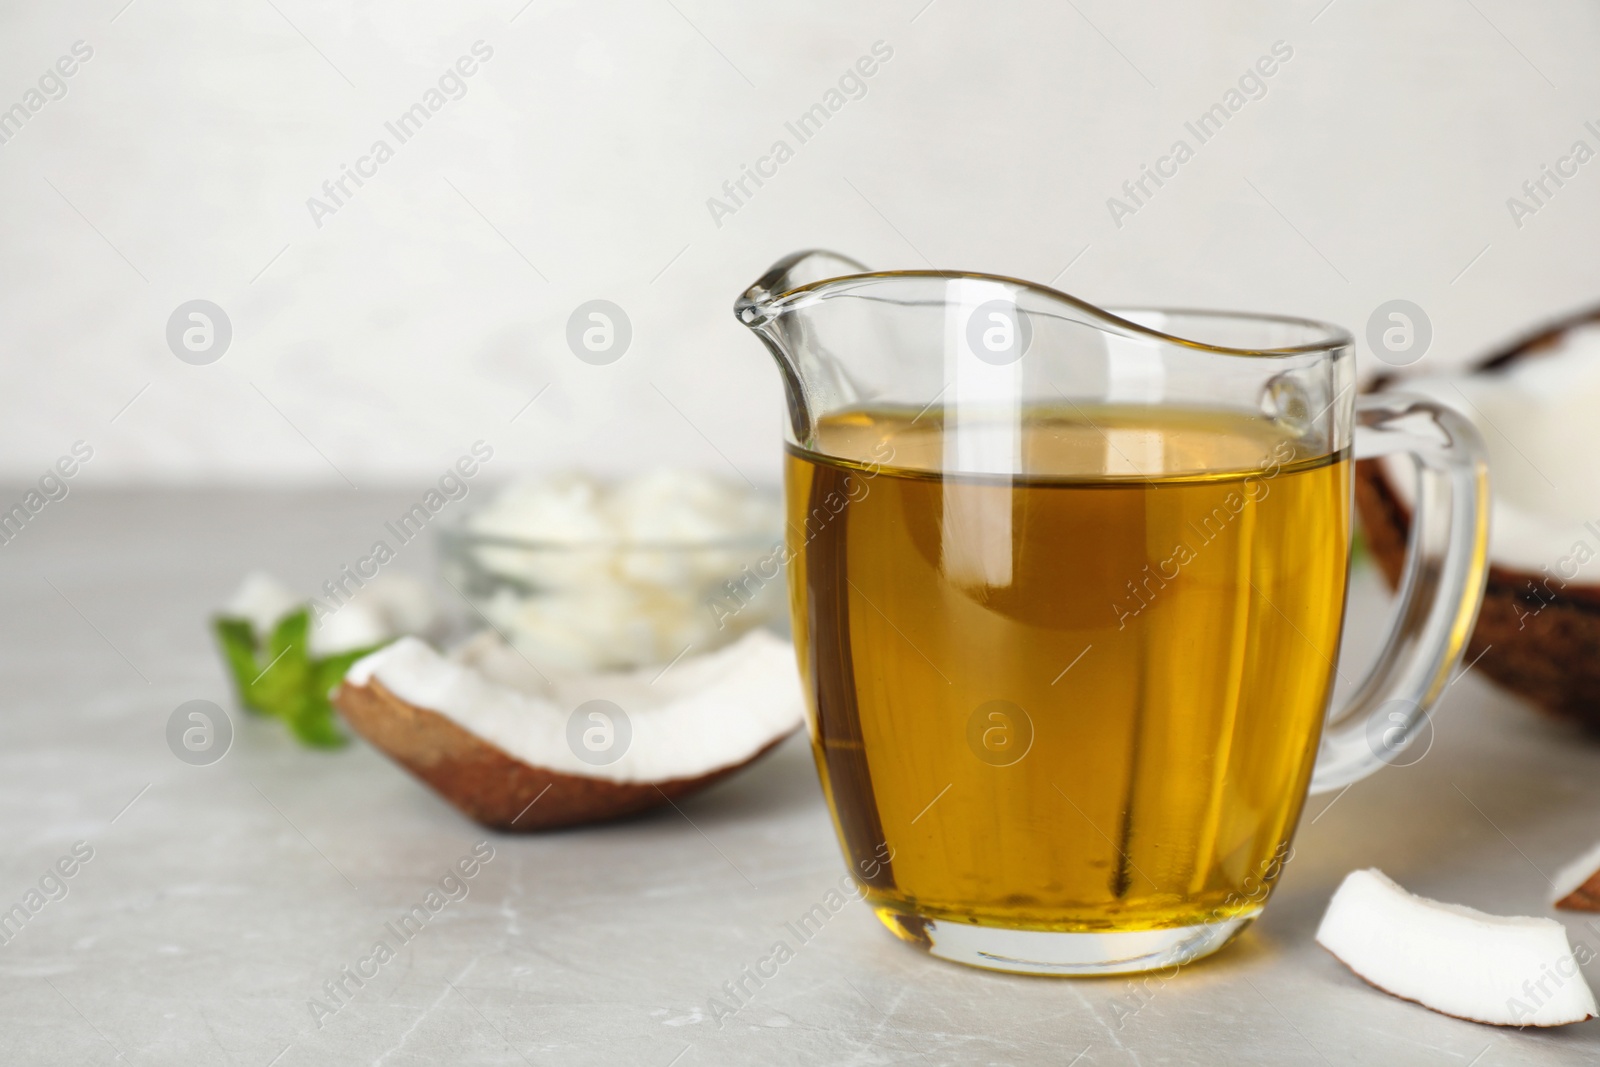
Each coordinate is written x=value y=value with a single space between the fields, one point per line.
x=583 y=575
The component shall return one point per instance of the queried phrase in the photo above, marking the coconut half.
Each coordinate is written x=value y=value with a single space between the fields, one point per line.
x=1505 y=970
x=1541 y=608
x=506 y=746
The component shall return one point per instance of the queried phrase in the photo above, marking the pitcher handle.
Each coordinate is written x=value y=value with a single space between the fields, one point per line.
x=1442 y=585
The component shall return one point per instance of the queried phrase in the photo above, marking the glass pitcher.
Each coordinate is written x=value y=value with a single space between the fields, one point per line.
x=1067 y=589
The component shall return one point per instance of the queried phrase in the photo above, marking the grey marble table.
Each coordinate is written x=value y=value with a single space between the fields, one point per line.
x=220 y=901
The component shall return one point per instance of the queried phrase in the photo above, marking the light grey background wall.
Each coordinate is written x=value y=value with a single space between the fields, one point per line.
x=374 y=342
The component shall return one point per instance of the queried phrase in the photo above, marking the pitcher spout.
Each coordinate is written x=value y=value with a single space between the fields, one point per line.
x=759 y=307
x=757 y=304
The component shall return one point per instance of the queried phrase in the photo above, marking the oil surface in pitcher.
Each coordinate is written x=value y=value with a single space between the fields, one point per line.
x=1082 y=696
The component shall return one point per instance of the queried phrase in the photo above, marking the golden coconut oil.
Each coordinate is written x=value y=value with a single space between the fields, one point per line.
x=1083 y=693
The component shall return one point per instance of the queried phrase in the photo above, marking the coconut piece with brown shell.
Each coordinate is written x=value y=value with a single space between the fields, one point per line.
x=514 y=750
x=1538 y=633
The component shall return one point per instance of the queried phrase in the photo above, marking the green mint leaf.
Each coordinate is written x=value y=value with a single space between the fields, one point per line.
x=237 y=640
x=269 y=680
x=283 y=679
x=316 y=725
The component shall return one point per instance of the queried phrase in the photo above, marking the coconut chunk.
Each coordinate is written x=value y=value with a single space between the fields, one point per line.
x=495 y=737
x=384 y=607
x=262 y=600
x=1504 y=970
x=1577 y=886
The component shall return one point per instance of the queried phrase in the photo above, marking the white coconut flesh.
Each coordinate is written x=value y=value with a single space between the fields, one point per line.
x=388 y=605
x=262 y=600
x=1498 y=969
x=698 y=715
x=1546 y=486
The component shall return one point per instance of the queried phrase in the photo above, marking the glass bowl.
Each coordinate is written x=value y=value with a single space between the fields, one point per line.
x=600 y=606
